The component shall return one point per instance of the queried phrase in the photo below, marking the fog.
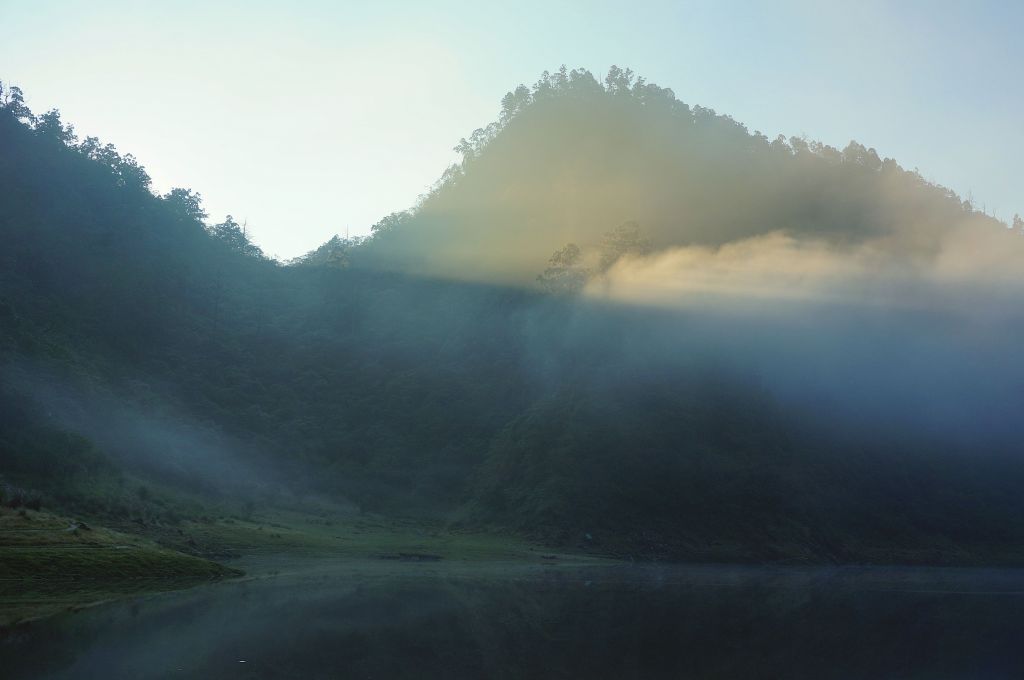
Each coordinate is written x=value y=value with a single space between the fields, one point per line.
x=859 y=295
x=570 y=160
x=143 y=430
x=618 y=314
x=973 y=273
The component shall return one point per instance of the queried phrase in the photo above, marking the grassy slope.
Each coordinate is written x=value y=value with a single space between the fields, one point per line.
x=50 y=563
x=48 y=566
x=349 y=536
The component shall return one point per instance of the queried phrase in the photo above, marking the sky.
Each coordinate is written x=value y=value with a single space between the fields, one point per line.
x=308 y=119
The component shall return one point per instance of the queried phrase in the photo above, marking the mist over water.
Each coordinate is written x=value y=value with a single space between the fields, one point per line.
x=329 y=620
x=831 y=276
x=621 y=330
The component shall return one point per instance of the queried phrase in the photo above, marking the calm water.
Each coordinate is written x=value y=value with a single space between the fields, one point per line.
x=328 y=619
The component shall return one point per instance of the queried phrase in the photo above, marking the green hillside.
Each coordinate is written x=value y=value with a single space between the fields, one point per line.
x=425 y=372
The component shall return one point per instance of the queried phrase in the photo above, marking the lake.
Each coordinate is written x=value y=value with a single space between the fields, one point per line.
x=379 y=619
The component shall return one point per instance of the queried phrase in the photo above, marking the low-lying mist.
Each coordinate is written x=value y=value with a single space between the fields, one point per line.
x=854 y=291
x=142 y=430
x=574 y=161
x=619 y=316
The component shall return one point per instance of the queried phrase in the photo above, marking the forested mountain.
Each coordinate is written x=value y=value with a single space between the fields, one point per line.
x=570 y=160
x=451 y=366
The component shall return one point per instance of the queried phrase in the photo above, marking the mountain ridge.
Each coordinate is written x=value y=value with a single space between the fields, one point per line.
x=425 y=371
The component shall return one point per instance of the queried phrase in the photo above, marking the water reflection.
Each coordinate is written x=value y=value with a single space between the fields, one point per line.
x=331 y=620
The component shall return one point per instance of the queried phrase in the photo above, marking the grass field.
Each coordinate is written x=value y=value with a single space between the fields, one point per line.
x=51 y=563
x=340 y=536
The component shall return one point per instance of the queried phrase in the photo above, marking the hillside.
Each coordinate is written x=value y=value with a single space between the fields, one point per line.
x=426 y=372
x=571 y=159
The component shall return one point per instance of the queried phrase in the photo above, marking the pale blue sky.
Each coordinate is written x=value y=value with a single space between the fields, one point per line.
x=307 y=117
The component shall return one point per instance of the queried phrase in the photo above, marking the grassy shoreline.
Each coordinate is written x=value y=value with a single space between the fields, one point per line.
x=51 y=563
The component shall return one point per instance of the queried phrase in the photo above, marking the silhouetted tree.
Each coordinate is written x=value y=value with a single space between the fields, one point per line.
x=232 y=234
x=390 y=223
x=857 y=153
x=12 y=102
x=185 y=203
x=565 y=274
x=619 y=81
x=334 y=253
x=626 y=239
x=50 y=126
x=126 y=170
x=514 y=102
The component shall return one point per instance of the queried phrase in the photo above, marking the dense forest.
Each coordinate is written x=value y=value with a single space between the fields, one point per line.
x=560 y=340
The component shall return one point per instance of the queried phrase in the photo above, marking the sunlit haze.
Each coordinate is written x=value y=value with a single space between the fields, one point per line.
x=309 y=119
x=525 y=340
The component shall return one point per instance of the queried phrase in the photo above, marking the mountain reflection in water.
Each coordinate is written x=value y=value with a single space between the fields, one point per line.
x=327 y=619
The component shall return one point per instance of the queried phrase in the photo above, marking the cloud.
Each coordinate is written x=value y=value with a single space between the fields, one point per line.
x=966 y=261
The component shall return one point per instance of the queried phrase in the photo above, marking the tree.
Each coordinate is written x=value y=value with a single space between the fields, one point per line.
x=514 y=102
x=1018 y=224
x=480 y=138
x=232 y=234
x=12 y=102
x=390 y=223
x=104 y=153
x=49 y=125
x=131 y=173
x=619 y=81
x=626 y=239
x=565 y=274
x=334 y=253
x=185 y=203
x=857 y=153
x=126 y=169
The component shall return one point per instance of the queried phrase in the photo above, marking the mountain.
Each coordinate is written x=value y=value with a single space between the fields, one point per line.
x=571 y=159
x=620 y=323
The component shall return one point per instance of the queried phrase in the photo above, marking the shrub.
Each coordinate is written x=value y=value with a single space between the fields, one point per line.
x=15 y=497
